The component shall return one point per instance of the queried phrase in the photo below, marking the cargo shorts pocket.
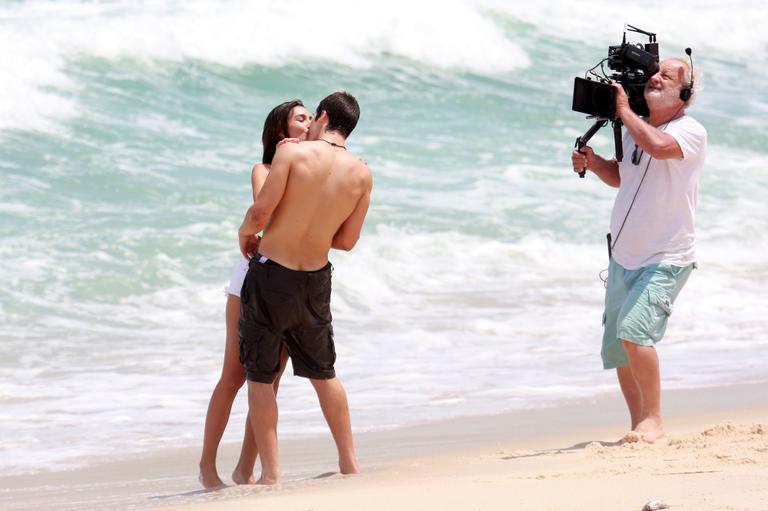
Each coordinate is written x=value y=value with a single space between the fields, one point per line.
x=660 y=309
x=248 y=338
x=258 y=347
x=661 y=302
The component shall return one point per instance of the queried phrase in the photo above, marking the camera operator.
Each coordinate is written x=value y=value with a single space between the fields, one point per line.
x=652 y=233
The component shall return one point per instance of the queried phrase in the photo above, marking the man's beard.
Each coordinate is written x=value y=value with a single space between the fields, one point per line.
x=661 y=98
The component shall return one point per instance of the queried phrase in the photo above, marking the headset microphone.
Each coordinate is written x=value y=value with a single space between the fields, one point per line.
x=687 y=92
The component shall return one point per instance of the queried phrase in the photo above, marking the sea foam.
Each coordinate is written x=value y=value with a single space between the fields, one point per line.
x=39 y=39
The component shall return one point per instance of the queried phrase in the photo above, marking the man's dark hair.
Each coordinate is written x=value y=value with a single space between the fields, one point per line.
x=343 y=112
x=276 y=128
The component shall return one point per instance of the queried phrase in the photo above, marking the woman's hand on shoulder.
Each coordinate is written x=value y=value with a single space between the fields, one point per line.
x=289 y=141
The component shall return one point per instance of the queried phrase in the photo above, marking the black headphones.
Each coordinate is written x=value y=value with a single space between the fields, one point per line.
x=687 y=92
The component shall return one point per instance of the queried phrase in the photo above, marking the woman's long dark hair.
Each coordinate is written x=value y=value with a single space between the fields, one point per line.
x=276 y=128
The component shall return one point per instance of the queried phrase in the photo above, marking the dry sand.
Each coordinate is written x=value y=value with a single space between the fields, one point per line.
x=715 y=458
x=718 y=468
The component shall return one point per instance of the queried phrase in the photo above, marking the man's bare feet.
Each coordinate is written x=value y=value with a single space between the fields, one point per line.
x=242 y=477
x=209 y=478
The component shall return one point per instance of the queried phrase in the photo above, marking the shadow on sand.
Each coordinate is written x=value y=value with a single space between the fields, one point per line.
x=562 y=450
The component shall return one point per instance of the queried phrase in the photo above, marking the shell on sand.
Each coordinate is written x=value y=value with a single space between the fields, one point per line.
x=655 y=505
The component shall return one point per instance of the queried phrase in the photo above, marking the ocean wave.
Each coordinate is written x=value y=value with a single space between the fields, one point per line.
x=488 y=37
x=700 y=25
x=456 y=35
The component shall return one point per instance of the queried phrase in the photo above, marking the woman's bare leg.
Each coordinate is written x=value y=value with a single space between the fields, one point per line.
x=220 y=405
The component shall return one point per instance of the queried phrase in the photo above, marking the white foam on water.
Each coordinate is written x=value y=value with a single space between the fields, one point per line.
x=424 y=306
x=31 y=67
x=710 y=26
x=39 y=38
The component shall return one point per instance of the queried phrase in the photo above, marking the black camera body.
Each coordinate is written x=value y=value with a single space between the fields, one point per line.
x=632 y=66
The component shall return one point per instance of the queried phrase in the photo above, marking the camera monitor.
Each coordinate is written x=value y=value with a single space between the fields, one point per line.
x=594 y=98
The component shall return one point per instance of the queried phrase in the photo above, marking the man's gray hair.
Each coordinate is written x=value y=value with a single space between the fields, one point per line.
x=697 y=86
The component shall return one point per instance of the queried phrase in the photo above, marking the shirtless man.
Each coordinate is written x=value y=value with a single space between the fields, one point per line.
x=315 y=198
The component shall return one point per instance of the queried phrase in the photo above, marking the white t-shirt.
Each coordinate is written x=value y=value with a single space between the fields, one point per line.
x=660 y=226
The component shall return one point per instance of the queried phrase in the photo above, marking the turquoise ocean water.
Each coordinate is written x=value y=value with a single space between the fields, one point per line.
x=127 y=132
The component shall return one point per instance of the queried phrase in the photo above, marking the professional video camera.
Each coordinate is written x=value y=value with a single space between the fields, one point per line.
x=633 y=65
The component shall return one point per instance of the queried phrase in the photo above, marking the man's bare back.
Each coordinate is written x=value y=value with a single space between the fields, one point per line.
x=321 y=195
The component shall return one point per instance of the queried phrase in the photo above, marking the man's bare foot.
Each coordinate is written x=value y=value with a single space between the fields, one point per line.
x=209 y=478
x=242 y=477
x=650 y=429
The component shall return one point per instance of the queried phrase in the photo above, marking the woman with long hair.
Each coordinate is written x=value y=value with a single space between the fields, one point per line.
x=287 y=120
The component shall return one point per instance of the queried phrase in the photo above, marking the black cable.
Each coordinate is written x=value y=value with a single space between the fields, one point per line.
x=591 y=71
x=650 y=159
x=602 y=68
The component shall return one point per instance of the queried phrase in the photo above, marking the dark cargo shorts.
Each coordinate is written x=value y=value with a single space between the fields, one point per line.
x=280 y=306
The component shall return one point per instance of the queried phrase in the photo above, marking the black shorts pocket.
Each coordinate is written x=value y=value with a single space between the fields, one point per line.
x=249 y=336
x=276 y=308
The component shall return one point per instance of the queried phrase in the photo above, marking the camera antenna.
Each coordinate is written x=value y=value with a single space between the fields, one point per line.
x=651 y=35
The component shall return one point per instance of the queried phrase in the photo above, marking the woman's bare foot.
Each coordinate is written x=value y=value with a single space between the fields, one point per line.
x=268 y=481
x=349 y=467
x=242 y=477
x=209 y=478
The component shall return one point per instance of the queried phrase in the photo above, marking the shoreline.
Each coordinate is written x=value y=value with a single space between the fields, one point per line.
x=169 y=477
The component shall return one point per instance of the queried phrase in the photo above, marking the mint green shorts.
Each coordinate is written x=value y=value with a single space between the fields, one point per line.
x=637 y=306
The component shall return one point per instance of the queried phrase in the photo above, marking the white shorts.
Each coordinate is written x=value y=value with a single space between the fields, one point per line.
x=237 y=279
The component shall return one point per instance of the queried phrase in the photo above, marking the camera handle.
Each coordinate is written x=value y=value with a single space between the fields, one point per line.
x=601 y=122
x=618 y=146
x=582 y=140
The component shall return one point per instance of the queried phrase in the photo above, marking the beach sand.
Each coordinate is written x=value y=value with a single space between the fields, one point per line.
x=715 y=457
